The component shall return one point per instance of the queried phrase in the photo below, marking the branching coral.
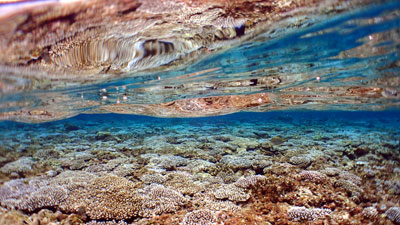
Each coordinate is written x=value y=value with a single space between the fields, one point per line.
x=313 y=176
x=108 y=197
x=246 y=182
x=393 y=213
x=200 y=217
x=231 y=192
x=183 y=183
x=302 y=161
x=370 y=212
x=297 y=213
x=158 y=199
x=30 y=195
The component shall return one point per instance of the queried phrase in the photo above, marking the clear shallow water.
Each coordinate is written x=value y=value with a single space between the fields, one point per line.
x=289 y=166
x=251 y=167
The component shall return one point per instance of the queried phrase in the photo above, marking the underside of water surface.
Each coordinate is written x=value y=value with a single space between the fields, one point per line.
x=200 y=112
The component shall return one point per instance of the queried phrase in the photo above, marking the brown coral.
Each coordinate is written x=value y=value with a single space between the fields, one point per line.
x=249 y=181
x=158 y=199
x=108 y=197
x=201 y=216
x=302 y=213
x=183 y=183
x=231 y=192
x=313 y=176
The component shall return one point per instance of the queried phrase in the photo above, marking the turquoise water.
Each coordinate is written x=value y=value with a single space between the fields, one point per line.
x=323 y=151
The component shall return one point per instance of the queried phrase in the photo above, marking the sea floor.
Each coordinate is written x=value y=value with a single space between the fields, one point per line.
x=246 y=168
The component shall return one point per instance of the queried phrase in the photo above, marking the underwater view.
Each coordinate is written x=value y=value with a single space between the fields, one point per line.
x=199 y=112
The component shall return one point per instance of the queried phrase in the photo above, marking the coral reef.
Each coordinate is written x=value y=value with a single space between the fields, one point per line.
x=183 y=183
x=370 y=212
x=302 y=161
x=107 y=197
x=22 y=165
x=313 y=176
x=157 y=199
x=201 y=216
x=393 y=213
x=31 y=194
x=231 y=192
x=301 y=213
x=354 y=191
x=113 y=222
x=249 y=181
x=226 y=177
